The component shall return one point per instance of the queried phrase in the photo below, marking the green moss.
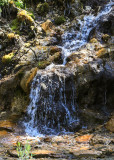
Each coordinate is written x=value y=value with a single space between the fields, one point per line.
x=7 y=58
x=43 y=64
x=15 y=26
x=19 y=4
x=43 y=8
x=30 y=13
x=59 y=20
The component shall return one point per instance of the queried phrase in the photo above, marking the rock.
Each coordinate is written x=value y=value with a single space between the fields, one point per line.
x=84 y=138
x=19 y=103
x=3 y=133
x=48 y=27
x=43 y=153
x=105 y=37
x=27 y=79
x=87 y=154
x=54 y=49
x=102 y=53
x=7 y=125
x=36 y=153
x=110 y=124
x=101 y=139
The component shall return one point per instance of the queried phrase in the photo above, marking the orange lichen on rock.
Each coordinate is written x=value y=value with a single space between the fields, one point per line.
x=3 y=133
x=101 y=53
x=6 y=124
x=85 y=138
x=47 y=26
x=32 y=75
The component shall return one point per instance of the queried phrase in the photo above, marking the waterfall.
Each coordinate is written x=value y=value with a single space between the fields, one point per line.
x=53 y=108
x=74 y=40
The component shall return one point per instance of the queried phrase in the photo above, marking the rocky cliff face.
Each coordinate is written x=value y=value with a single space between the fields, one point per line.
x=34 y=44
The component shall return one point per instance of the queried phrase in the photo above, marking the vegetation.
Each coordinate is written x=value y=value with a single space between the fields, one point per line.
x=7 y=58
x=24 y=152
x=42 y=8
x=24 y=16
x=59 y=20
x=3 y=2
x=93 y=40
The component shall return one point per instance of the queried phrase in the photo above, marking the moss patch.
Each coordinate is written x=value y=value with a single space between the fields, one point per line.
x=43 y=64
x=42 y=8
x=59 y=20
x=93 y=40
x=25 y=16
x=7 y=58
x=15 y=26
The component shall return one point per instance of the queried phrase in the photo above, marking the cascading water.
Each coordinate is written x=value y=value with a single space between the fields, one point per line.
x=51 y=110
x=74 y=40
x=53 y=107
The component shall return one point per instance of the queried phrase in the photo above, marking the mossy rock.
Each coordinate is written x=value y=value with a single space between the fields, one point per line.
x=93 y=40
x=43 y=64
x=27 y=79
x=59 y=20
x=42 y=8
x=105 y=37
x=7 y=58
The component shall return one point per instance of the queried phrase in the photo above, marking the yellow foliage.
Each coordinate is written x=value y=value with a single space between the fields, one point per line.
x=23 y=15
x=11 y=36
x=7 y=58
x=11 y=2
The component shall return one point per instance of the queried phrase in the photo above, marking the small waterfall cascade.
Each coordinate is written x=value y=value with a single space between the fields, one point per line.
x=53 y=108
x=74 y=40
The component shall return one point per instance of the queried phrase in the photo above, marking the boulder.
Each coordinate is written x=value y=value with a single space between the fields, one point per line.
x=27 y=79
x=110 y=124
x=47 y=27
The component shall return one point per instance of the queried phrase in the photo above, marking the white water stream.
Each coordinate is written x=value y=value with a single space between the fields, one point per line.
x=53 y=109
